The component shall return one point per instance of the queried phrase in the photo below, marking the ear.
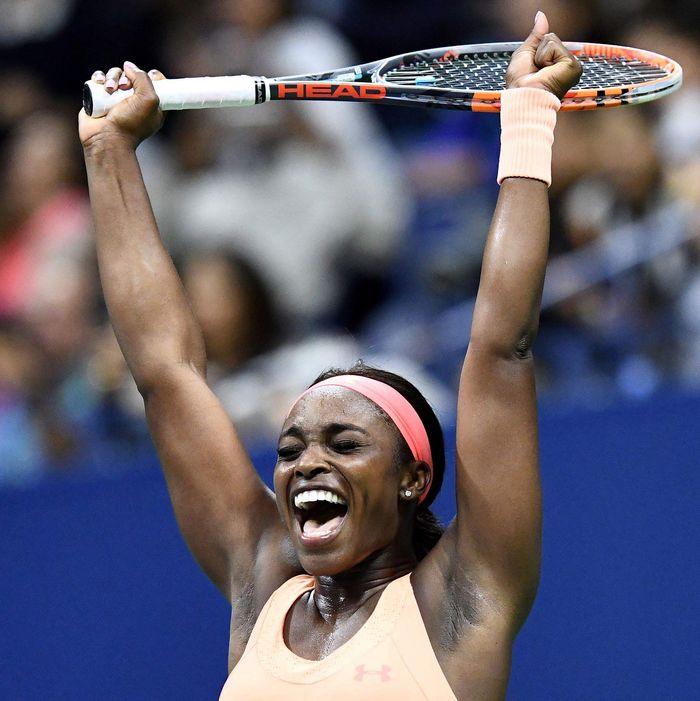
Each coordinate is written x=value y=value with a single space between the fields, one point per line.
x=415 y=480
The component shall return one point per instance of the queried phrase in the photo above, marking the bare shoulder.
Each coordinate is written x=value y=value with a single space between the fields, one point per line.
x=454 y=596
x=468 y=624
x=274 y=564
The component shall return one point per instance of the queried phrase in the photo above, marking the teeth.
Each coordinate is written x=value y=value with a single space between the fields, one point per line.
x=302 y=499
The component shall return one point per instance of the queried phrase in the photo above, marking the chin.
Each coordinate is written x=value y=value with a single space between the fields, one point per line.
x=320 y=562
x=321 y=567
x=332 y=561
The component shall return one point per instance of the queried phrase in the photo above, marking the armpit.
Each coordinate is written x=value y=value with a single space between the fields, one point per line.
x=464 y=606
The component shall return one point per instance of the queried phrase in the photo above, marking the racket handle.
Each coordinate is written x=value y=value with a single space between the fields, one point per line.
x=183 y=94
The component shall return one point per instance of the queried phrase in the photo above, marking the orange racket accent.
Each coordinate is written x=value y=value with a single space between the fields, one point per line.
x=472 y=77
x=581 y=98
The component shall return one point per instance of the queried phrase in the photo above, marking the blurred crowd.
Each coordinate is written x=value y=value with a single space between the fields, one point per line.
x=310 y=235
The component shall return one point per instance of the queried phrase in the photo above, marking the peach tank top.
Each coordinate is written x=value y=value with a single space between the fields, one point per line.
x=389 y=658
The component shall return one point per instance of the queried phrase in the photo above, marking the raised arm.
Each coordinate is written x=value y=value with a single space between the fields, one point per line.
x=223 y=508
x=497 y=531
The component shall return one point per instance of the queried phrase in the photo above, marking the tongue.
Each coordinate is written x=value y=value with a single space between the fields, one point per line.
x=312 y=527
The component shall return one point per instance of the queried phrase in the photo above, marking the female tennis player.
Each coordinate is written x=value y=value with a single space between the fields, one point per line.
x=342 y=586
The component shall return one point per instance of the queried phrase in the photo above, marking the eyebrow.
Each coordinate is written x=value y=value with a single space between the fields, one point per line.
x=295 y=432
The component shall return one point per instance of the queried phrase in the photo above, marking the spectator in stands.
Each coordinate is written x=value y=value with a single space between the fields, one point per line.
x=45 y=214
x=307 y=180
x=255 y=366
x=234 y=308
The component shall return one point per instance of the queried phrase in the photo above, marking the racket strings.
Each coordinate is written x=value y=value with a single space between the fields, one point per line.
x=470 y=72
x=484 y=72
x=601 y=72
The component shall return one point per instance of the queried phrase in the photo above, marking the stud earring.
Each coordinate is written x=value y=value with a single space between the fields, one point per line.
x=407 y=493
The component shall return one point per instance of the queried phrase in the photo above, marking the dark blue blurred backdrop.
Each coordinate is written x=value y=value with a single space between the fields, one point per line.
x=100 y=599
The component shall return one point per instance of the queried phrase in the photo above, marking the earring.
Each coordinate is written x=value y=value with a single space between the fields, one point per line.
x=407 y=493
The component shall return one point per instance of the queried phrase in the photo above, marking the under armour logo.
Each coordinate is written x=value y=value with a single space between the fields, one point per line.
x=362 y=672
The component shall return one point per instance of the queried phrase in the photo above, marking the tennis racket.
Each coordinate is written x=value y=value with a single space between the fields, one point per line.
x=468 y=77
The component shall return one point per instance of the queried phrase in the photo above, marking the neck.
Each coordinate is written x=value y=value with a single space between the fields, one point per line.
x=341 y=595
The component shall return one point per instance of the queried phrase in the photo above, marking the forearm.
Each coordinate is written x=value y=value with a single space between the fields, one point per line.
x=515 y=257
x=144 y=296
x=512 y=276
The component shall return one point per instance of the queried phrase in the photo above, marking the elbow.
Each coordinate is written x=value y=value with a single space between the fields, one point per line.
x=154 y=364
x=148 y=380
x=503 y=346
x=522 y=349
x=164 y=376
x=499 y=332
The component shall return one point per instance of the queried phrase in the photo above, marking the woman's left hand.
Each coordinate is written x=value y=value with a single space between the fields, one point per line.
x=542 y=61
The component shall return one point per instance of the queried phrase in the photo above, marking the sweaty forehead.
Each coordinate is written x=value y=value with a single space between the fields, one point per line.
x=326 y=405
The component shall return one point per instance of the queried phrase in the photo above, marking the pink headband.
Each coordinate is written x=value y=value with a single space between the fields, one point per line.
x=397 y=408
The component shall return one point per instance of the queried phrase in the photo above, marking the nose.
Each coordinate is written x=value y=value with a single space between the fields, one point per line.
x=310 y=472
x=310 y=464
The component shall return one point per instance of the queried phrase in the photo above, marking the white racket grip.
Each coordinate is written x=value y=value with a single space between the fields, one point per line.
x=184 y=93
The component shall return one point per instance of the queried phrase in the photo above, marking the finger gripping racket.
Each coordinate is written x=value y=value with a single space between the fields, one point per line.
x=467 y=77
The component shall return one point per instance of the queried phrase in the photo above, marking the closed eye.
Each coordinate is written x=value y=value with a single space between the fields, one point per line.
x=288 y=452
x=345 y=446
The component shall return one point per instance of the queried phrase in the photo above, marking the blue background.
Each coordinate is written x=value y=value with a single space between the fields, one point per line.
x=101 y=600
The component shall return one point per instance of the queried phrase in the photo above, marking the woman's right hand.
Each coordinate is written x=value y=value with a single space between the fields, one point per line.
x=130 y=121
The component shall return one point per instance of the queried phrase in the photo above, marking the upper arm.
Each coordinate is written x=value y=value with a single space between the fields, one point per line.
x=499 y=505
x=224 y=510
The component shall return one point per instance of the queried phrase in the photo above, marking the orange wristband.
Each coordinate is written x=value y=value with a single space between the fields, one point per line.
x=528 y=118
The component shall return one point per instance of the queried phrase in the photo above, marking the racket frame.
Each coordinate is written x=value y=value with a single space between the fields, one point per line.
x=337 y=89
x=367 y=83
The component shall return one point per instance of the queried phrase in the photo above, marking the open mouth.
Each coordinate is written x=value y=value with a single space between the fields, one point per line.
x=319 y=513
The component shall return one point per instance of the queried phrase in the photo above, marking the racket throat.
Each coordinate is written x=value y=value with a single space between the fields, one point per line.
x=262 y=90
